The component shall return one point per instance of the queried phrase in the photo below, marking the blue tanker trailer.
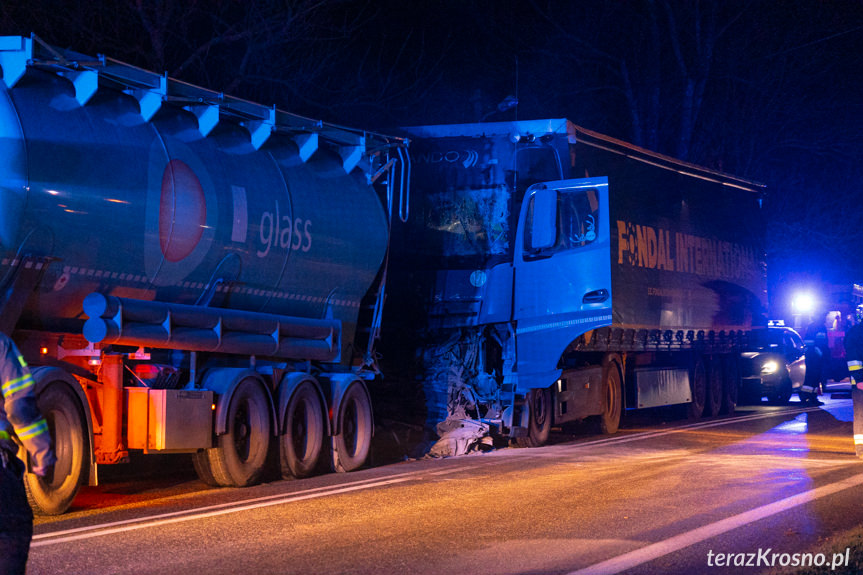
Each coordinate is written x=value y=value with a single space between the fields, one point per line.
x=186 y=271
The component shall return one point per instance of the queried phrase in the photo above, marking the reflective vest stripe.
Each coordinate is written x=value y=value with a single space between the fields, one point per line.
x=21 y=361
x=17 y=384
x=854 y=365
x=33 y=430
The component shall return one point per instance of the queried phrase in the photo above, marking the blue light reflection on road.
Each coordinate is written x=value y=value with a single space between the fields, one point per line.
x=790 y=457
x=797 y=425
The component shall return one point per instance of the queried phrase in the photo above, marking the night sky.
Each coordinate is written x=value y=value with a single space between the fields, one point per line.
x=767 y=90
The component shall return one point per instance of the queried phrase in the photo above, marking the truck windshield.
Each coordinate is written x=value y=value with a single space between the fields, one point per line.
x=469 y=195
x=470 y=221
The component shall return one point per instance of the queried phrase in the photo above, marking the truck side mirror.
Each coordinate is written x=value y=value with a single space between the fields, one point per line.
x=543 y=226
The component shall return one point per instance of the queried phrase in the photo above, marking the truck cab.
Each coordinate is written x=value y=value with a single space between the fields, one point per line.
x=551 y=274
x=501 y=238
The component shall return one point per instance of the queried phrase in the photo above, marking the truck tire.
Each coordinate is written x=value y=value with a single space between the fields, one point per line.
x=240 y=455
x=350 y=447
x=713 y=403
x=698 y=387
x=201 y=464
x=52 y=495
x=612 y=400
x=730 y=384
x=303 y=432
x=540 y=413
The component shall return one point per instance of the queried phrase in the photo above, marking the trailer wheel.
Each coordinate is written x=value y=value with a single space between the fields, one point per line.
x=52 y=495
x=714 y=391
x=612 y=400
x=539 y=405
x=351 y=446
x=200 y=461
x=698 y=387
x=241 y=453
x=730 y=384
x=300 y=444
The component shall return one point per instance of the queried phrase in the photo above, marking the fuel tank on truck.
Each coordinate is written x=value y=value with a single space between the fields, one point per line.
x=162 y=209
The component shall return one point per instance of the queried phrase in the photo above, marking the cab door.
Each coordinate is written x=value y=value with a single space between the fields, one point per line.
x=562 y=285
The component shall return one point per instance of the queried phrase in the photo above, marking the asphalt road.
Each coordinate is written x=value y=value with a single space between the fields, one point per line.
x=673 y=497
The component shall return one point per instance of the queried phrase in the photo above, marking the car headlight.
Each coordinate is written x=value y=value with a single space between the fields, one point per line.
x=769 y=367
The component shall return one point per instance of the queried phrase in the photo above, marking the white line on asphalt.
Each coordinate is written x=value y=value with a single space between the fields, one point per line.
x=157 y=522
x=221 y=509
x=701 y=425
x=642 y=435
x=67 y=535
x=250 y=503
x=649 y=553
x=224 y=508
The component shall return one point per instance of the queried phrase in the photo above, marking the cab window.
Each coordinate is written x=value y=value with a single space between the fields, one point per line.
x=576 y=222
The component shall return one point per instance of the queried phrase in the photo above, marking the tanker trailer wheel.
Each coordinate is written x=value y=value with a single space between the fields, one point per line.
x=302 y=439
x=608 y=421
x=698 y=389
x=240 y=454
x=201 y=463
x=539 y=405
x=730 y=383
x=351 y=446
x=713 y=402
x=53 y=494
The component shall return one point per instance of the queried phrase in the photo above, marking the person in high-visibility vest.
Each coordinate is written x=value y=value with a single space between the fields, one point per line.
x=854 y=357
x=19 y=418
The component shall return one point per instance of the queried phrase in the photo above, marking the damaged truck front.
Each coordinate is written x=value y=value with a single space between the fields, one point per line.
x=551 y=274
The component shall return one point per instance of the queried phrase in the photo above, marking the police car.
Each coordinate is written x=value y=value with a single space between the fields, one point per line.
x=772 y=365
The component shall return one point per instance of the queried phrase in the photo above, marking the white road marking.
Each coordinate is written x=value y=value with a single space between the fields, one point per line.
x=68 y=535
x=638 y=557
x=701 y=425
x=211 y=511
x=642 y=435
x=75 y=534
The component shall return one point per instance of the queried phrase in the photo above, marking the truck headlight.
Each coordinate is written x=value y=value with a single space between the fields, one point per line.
x=769 y=367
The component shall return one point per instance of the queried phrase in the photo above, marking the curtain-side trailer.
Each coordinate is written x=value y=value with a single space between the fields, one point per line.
x=560 y=274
